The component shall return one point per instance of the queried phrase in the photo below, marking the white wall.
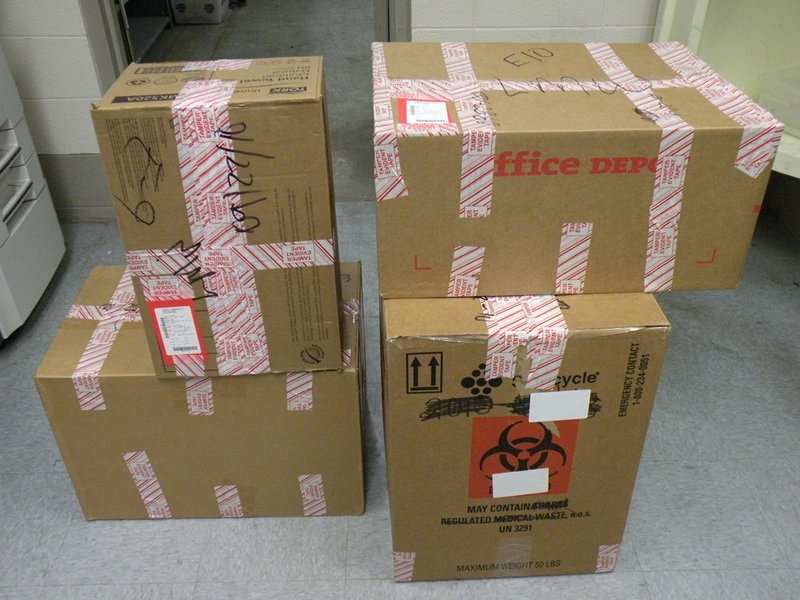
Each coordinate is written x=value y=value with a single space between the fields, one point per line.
x=533 y=20
x=48 y=51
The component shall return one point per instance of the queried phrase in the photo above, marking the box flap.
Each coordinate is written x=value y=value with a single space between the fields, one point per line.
x=260 y=80
x=129 y=356
x=447 y=317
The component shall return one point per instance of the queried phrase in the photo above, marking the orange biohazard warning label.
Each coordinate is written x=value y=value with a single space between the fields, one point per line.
x=510 y=444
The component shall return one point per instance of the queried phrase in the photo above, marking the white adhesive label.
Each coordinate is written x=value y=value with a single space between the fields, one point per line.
x=559 y=406
x=520 y=483
x=420 y=112
x=178 y=332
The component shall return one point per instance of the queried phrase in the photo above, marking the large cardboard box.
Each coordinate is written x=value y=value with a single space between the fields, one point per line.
x=138 y=447
x=221 y=183
x=514 y=429
x=562 y=168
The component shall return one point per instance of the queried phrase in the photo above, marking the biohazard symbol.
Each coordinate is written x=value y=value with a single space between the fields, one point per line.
x=527 y=451
x=511 y=444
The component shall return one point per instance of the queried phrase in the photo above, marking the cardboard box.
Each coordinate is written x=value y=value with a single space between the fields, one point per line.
x=139 y=447
x=503 y=462
x=221 y=184
x=507 y=169
x=199 y=12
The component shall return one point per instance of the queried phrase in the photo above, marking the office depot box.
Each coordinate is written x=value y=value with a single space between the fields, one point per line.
x=221 y=184
x=199 y=12
x=139 y=447
x=514 y=428
x=562 y=168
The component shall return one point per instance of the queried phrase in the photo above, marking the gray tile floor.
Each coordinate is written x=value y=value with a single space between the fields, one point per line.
x=715 y=512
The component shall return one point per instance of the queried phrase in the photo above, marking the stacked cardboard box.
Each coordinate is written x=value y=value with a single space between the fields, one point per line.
x=137 y=446
x=232 y=337
x=515 y=421
x=220 y=174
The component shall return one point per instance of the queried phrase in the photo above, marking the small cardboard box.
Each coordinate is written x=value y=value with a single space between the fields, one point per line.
x=139 y=447
x=503 y=462
x=221 y=183
x=505 y=169
x=199 y=12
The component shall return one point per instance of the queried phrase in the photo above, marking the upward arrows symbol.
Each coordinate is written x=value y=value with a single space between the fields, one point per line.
x=415 y=365
x=433 y=364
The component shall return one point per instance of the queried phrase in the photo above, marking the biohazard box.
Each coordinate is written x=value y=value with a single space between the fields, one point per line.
x=139 y=447
x=221 y=184
x=514 y=429
x=562 y=168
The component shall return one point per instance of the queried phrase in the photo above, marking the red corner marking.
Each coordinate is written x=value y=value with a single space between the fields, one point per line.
x=756 y=208
x=418 y=267
x=708 y=261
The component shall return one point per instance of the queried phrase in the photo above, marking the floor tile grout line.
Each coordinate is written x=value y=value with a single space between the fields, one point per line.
x=718 y=569
x=347 y=547
x=784 y=554
x=196 y=585
x=57 y=553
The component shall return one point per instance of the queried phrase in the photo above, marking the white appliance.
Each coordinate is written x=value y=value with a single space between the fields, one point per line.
x=31 y=243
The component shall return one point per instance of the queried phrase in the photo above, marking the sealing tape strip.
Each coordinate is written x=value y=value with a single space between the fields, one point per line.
x=535 y=322
x=110 y=316
x=478 y=134
x=228 y=501
x=313 y=495
x=205 y=155
x=216 y=263
x=298 y=390
x=546 y=349
x=514 y=554
x=508 y=328
x=465 y=272
x=347 y=357
x=607 y=558
x=155 y=502
x=673 y=160
x=388 y=177
x=351 y=309
x=761 y=133
x=200 y=396
x=225 y=64
x=573 y=257
x=235 y=311
x=404 y=565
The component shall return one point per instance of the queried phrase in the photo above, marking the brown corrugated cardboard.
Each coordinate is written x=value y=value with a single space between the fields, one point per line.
x=220 y=174
x=466 y=450
x=137 y=446
x=562 y=168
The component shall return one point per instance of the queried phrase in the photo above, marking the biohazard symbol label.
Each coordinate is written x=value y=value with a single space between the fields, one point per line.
x=508 y=444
